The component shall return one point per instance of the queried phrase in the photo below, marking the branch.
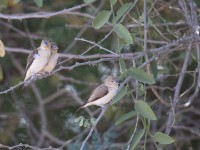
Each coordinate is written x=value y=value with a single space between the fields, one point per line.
x=85 y=27
x=101 y=115
x=42 y=113
x=110 y=57
x=73 y=56
x=171 y=117
x=42 y=14
x=94 y=125
x=134 y=132
x=25 y=146
x=59 y=69
x=95 y=44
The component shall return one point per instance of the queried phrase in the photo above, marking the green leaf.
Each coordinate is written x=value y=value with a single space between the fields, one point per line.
x=101 y=19
x=121 y=11
x=150 y=22
x=162 y=138
x=141 y=18
x=92 y=121
x=119 y=95
x=16 y=1
x=122 y=66
x=119 y=48
x=125 y=117
x=138 y=136
x=3 y=3
x=79 y=118
x=143 y=108
x=120 y=45
x=76 y=120
x=113 y=2
x=141 y=76
x=39 y=3
x=142 y=89
x=88 y=1
x=123 y=33
x=86 y=123
x=81 y=122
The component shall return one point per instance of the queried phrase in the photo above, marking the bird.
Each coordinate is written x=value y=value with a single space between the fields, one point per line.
x=102 y=94
x=52 y=59
x=37 y=60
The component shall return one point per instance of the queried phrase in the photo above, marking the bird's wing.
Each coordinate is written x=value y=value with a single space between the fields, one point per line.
x=97 y=93
x=31 y=58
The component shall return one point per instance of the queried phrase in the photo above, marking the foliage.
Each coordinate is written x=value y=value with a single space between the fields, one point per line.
x=152 y=51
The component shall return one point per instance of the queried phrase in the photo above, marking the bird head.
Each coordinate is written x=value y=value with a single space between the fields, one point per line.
x=111 y=82
x=45 y=44
x=54 y=47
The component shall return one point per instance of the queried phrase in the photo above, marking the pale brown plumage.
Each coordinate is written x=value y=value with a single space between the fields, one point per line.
x=52 y=59
x=30 y=59
x=98 y=92
x=103 y=94
x=37 y=60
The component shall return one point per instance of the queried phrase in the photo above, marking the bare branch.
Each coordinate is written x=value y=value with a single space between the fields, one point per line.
x=42 y=14
x=101 y=115
x=96 y=45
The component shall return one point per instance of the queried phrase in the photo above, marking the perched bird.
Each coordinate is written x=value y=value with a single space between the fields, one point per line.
x=52 y=59
x=38 y=59
x=103 y=94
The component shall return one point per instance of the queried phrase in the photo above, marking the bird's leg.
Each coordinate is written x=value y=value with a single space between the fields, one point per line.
x=34 y=76
x=27 y=82
x=40 y=75
x=46 y=74
x=102 y=107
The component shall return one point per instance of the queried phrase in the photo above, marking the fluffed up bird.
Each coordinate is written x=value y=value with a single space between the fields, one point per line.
x=38 y=59
x=52 y=59
x=103 y=94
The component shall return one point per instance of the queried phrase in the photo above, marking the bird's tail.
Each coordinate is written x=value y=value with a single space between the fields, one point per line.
x=21 y=87
x=25 y=84
x=83 y=106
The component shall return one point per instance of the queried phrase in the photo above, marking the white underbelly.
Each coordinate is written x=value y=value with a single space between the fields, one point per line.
x=51 y=64
x=38 y=64
x=106 y=99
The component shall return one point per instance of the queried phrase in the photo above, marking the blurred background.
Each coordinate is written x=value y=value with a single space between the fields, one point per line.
x=43 y=114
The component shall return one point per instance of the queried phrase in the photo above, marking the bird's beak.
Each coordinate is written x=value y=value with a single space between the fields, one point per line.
x=117 y=83
x=46 y=43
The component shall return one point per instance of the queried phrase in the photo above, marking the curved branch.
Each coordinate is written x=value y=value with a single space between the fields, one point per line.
x=42 y=14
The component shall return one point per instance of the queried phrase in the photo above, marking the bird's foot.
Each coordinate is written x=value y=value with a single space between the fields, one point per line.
x=33 y=77
x=46 y=74
x=102 y=107
x=41 y=75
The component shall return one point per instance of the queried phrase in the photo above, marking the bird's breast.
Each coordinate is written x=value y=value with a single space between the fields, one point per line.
x=44 y=53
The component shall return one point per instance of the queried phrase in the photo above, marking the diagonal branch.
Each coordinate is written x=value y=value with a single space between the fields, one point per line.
x=171 y=117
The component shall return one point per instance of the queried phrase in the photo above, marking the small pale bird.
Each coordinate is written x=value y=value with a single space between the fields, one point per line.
x=38 y=59
x=52 y=60
x=103 y=94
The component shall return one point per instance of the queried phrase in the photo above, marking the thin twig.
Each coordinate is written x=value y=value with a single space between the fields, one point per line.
x=93 y=126
x=132 y=136
x=93 y=43
x=42 y=14
x=171 y=117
